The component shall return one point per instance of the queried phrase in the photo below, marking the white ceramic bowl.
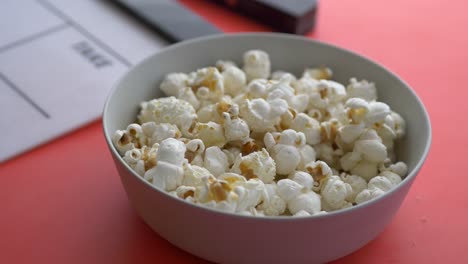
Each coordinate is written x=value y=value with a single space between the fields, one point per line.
x=229 y=238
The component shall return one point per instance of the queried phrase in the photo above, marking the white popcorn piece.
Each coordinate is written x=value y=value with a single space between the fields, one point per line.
x=367 y=195
x=168 y=110
x=194 y=174
x=328 y=92
x=122 y=141
x=328 y=154
x=318 y=73
x=350 y=133
x=394 y=178
x=288 y=189
x=319 y=170
x=371 y=150
x=271 y=203
x=302 y=213
x=396 y=123
x=399 y=168
x=309 y=202
x=235 y=129
x=387 y=135
x=234 y=80
x=211 y=133
x=195 y=150
x=308 y=155
x=231 y=154
x=358 y=184
x=215 y=161
x=304 y=179
x=256 y=64
x=283 y=77
x=285 y=148
x=257 y=164
x=174 y=84
x=357 y=109
x=185 y=191
x=133 y=158
x=380 y=182
x=334 y=193
x=249 y=194
x=309 y=126
x=208 y=84
x=168 y=172
x=262 y=115
x=158 y=132
x=283 y=90
x=377 y=113
x=305 y=85
x=223 y=65
x=362 y=89
x=258 y=88
x=189 y=96
x=365 y=169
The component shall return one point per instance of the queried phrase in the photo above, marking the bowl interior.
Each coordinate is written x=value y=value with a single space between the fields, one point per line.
x=289 y=53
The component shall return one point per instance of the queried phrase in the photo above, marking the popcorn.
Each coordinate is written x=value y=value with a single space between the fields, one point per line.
x=320 y=171
x=335 y=193
x=174 y=84
x=168 y=172
x=309 y=126
x=168 y=110
x=309 y=202
x=195 y=150
x=230 y=139
x=185 y=192
x=358 y=184
x=208 y=84
x=256 y=64
x=133 y=158
x=122 y=141
x=318 y=73
x=303 y=178
x=282 y=90
x=235 y=129
x=284 y=149
x=262 y=115
x=155 y=133
x=329 y=92
x=234 y=80
x=367 y=195
x=211 y=133
x=258 y=88
x=288 y=189
x=194 y=174
x=257 y=164
x=222 y=65
x=362 y=89
x=271 y=203
x=283 y=76
x=215 y=161
x=231 y=155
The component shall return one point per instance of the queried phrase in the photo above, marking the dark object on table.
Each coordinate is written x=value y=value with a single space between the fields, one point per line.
x=290 y=16
x=169 y=18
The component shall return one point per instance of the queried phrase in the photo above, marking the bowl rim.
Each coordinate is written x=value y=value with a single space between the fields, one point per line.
x=411 y=174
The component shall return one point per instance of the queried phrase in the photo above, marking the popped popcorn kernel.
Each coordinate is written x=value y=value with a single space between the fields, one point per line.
x=246 y=140
x=256 y=64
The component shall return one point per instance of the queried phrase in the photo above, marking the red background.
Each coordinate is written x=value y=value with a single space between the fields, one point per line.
x=63 y=202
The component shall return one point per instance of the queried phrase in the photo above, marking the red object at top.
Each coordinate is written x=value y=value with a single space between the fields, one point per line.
x=63 y=202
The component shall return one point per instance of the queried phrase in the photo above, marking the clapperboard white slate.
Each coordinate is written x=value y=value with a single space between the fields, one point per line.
x=58 y=61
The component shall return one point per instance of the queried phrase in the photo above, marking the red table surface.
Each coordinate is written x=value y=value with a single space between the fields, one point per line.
x=63 y=202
